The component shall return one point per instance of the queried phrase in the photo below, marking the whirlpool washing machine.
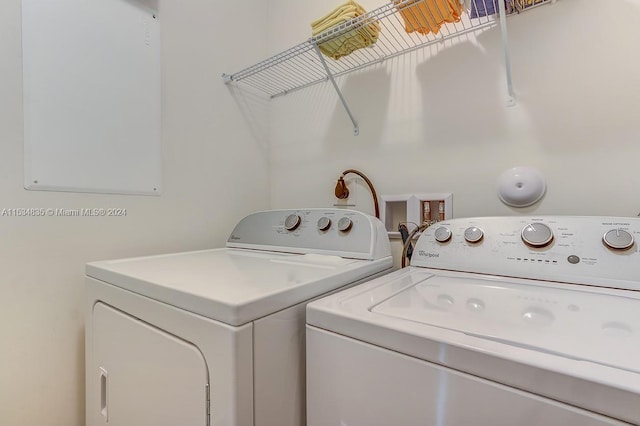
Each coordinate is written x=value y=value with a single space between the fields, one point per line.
x=499 y=321
x=218 y=336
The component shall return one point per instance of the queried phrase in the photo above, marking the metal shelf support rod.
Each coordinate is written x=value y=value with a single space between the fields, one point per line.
x=356 y=129
x=511 y=96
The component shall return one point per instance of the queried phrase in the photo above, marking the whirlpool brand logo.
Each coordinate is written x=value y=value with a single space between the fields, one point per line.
x=233 y=237
x=428 y=254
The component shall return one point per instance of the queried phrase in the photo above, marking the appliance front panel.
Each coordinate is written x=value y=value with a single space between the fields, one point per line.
x=353 y=383
x=147 y=377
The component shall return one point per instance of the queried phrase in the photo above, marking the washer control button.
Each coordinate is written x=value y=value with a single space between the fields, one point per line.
x=324 y=223
x=292 y=222
x=573 y=259
x=473 y=234
x=618 y=239
x=442 y=234
x=345 y=224
x=537 y=234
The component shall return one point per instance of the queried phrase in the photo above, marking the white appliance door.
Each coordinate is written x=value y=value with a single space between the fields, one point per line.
x=146 y=377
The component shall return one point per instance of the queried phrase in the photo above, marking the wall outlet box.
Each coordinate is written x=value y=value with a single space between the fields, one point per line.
x=414 y=209
x=394 y=211
x=430 y=207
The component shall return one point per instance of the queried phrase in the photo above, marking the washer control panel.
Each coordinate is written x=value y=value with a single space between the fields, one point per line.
x=346 y=233
x=601 y=251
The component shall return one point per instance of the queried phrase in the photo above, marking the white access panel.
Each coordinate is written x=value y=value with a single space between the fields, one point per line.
x=147 y=377
x=92 y=96
x=356 y=384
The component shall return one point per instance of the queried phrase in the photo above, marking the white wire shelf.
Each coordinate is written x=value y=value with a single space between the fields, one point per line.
x=303 y=65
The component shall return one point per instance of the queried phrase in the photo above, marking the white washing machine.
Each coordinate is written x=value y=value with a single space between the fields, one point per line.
x=216 y=337
x=499 y=321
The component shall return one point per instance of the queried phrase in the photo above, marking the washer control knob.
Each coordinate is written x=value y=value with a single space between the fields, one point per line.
x=473 y=234
x=442 y=234
x=324 y=223
x=292 y=222
x=345 y=224
x=618 y=239
x=537 y=234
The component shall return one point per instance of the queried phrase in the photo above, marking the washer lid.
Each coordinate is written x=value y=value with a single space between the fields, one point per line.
x=232 y=285
x=580 y=325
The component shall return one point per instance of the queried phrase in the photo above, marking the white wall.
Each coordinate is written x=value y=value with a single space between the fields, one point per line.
x=436 y=121
x=215 y=171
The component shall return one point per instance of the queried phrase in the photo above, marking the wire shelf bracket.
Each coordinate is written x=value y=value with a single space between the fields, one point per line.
x=356 y=129
x=511 y=96
x=304 y=65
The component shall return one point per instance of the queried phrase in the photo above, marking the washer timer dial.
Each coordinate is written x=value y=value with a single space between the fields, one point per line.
x=345 y=224
x=537 y=234
x=292 y=222
x=618 y=239
x=442 y=234
x=473 y=234
x=324 y=223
